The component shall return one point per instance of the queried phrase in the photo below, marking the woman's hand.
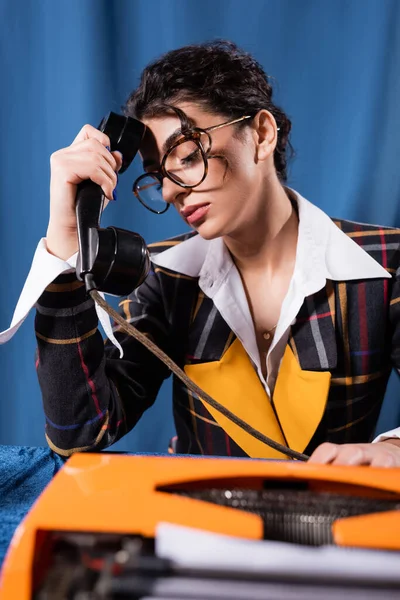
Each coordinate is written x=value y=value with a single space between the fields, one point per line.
x=86 y=158
x=381 y=454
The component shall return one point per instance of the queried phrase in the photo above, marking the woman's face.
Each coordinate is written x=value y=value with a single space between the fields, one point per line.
x=229 y=198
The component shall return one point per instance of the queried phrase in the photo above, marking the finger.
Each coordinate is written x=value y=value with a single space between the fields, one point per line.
x=324 y=454
x=374 y=455
x=99 y=171
x=118 y=159
x=383 y=458
x=89 y=132
x=95 y=146
x=351 y=454
x=106 y=179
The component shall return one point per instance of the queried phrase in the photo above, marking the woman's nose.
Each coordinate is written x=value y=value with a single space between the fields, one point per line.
x=171 y=191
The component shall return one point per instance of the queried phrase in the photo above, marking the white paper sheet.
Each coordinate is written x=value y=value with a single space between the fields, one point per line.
x=194 y=548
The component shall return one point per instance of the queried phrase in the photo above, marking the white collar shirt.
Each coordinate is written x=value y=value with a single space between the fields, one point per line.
x=323 y=252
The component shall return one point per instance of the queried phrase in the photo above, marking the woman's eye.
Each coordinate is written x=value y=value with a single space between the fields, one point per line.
x=191 y=158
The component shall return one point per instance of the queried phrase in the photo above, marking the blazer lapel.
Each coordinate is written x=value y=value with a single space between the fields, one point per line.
x=313 y=337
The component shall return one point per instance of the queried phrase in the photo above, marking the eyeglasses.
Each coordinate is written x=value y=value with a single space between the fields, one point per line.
x=185 y=163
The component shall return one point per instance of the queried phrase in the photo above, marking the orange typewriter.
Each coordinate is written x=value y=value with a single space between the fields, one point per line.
x=101 y=505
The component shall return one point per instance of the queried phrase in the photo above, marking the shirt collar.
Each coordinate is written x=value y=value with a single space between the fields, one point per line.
x=323 y=252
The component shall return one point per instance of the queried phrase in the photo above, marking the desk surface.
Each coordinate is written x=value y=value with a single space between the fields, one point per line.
x=24 y=473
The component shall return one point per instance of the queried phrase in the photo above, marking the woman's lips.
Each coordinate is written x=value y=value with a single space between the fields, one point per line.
x=193 y=214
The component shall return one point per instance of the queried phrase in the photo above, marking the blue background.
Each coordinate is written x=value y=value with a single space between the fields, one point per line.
x=336 y=66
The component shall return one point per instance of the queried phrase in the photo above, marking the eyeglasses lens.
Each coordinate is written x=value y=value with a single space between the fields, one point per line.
x=185 y=163
x=149 y=190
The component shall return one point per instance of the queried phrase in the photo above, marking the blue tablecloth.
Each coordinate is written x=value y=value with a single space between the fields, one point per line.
x=24 y=473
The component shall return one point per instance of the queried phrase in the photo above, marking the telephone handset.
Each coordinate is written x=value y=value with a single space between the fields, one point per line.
x=116 y=261
x=111 y=260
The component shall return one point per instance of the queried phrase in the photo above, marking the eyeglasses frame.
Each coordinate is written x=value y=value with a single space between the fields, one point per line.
x=195 y=135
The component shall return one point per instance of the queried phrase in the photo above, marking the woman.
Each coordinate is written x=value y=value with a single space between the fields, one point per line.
x=272 y=308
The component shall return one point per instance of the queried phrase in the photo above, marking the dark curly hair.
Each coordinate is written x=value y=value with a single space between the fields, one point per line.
x=219 y=76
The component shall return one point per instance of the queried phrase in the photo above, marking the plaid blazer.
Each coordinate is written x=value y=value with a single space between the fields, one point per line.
x=92 y=397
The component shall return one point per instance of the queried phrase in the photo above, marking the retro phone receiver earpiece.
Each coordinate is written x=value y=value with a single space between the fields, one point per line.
x=111 y=260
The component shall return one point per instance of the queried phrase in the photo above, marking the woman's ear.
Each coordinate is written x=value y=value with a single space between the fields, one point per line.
x=265 y=131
